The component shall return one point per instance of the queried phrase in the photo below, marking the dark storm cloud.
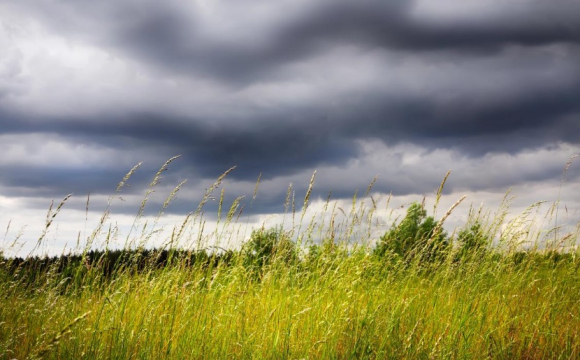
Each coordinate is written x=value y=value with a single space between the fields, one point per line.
x=393 y=25
x=534 y=118
x=502 y=80
x=56 y=180
x=173 y=35
x=277 y=149
x=285 y=146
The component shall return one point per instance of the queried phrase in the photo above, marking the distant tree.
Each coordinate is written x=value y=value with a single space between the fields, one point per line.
x=414 y=236
x=265 y=246
x=473 y=241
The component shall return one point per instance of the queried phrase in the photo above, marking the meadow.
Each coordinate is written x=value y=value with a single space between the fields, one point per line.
x=415 y=292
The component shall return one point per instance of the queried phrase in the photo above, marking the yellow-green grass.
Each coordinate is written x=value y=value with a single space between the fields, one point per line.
x=338 y=300
x=341 y=305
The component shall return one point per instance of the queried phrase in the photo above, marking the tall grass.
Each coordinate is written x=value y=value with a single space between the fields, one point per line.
x=284 y=296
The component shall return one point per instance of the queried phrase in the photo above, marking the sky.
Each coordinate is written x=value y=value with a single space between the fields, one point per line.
x=406 y=90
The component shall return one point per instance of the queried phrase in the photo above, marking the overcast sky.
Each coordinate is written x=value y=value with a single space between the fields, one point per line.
x=404 y=89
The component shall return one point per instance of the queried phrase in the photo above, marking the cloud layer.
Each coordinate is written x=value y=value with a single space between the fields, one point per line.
x=408 y=89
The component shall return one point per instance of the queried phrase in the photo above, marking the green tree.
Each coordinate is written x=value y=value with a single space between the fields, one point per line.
x=266 y=246
x=472 y=241
x=414 y=236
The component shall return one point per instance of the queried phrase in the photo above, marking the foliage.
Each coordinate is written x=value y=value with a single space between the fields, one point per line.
x=414 y=236
x=339 y=304
x=267 y=246
x=473 y=242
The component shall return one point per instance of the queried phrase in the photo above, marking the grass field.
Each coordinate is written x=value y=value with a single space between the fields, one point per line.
x=416 y=293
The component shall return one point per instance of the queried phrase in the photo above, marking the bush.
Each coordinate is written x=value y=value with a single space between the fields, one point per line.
x=414 y=236
x=473 y=242
x=267 y=246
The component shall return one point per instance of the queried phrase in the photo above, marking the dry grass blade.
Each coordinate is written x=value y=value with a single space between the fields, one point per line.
x=166 y=203
x=440 y=191
x=256 y=188
x=233 y=209
x=288 y=198
x=306 y=200
x=162 y=169
x=7 y=229
x=57 y=337
x=309 y=191
x=127 y=176
x=91 y=238
x=369 y=188
x=556 y=205
x=149 y=191
x=172 y=195
x=568 y=164
x=440 y=223
x=153 y=183
x=49 y=219
x=209 y=191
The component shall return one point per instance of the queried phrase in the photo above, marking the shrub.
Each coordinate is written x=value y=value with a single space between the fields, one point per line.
x=473 y=242
x=267 y=246
x=414 y=236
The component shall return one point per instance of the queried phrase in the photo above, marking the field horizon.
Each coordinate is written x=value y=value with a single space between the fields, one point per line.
x=492 y=288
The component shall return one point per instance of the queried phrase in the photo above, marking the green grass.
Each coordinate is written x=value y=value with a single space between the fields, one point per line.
x=331 y=301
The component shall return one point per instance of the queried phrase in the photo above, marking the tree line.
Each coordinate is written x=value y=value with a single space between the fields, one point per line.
x=416 y=239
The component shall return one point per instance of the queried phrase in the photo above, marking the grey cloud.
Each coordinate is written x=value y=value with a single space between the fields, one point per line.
x=282 y=145
x=506 y=81
x=173 y=37
x=423 y=119
x=56 y=181
x=392 y=25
